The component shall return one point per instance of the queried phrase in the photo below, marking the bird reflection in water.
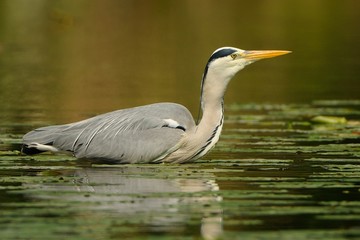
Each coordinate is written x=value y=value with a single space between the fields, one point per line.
x=169 y=198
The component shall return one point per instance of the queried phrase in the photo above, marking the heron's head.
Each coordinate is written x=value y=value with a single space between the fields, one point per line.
x=227 y=61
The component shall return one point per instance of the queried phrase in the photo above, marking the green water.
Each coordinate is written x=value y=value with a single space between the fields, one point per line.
x=286 y=165
x=274 y=174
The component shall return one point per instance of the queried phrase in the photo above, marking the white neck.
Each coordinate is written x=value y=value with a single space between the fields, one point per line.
x=212 y=97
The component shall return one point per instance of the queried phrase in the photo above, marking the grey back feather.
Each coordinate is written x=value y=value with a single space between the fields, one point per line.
x=130 y=135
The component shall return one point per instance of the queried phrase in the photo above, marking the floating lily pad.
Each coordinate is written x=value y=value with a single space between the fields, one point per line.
x=329 y=120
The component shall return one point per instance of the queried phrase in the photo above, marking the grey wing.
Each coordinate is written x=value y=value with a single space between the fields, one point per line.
x=141 y=134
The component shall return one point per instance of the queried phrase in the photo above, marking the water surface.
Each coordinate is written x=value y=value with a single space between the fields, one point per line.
x=277 y=172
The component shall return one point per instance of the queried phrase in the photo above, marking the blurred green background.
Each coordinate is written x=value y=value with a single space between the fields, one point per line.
x=61 y=60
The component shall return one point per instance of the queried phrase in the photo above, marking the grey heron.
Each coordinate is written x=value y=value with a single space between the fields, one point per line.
x=160 y=132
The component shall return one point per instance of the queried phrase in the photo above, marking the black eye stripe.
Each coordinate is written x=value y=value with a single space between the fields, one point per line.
x=221 y=53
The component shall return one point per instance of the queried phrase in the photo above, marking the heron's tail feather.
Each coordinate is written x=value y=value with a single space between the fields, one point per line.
x=35 y=148
x=41 y=140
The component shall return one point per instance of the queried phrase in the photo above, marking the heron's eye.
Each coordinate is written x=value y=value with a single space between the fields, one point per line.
x=234 y=55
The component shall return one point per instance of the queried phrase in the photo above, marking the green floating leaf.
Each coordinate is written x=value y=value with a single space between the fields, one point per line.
x=329 y=120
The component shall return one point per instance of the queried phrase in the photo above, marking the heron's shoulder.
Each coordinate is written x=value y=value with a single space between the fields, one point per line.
x=167 y=106
x=167 y=111
x=155 y=109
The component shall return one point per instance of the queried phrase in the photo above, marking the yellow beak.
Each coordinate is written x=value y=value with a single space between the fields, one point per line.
x=261 y=54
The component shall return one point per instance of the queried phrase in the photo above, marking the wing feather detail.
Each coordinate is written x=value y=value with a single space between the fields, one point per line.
x=141 y=134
